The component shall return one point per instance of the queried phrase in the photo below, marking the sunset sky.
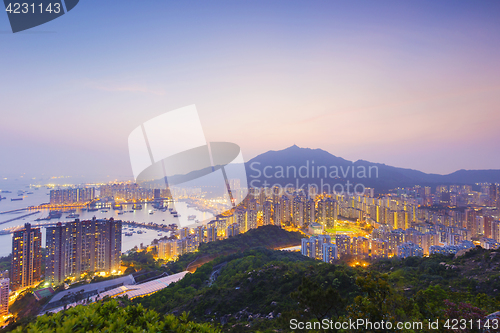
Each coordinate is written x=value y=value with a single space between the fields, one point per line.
x=410 y=84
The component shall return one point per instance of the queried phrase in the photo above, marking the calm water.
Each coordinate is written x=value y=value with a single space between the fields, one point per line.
x=41 y=196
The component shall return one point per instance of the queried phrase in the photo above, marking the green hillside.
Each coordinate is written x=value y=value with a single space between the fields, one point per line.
x=269 y=236
x=262 y=289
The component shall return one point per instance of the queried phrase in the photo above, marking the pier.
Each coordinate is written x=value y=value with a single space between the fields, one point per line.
x=20 y=217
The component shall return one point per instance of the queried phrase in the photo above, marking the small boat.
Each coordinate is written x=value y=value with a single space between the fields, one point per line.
x=128 y=234
x=55 y=214
x=176 y=215
x=160 y=234
x=73 y=216
x=120 y=213
x=104 y=211
x=173 y=212
x=191 y=217
x=197 y=221
x=16 y=199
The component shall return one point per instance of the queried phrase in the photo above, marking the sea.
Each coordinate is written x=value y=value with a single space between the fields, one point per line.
x=34 y=196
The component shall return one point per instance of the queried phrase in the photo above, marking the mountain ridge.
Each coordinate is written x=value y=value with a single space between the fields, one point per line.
x=387 y=177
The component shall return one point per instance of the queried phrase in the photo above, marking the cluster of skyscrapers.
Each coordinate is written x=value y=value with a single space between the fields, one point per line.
x=73 y=248
x=416 y=222
x=321 y=247
x=72 y=195
x=130 y=192
x=79 y=247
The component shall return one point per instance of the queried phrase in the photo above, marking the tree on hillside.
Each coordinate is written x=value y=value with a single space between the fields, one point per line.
x=110 y=317
x=320 y=301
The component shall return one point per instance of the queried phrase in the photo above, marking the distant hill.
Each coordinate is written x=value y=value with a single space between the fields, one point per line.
x=295 y=165
x=382 y=177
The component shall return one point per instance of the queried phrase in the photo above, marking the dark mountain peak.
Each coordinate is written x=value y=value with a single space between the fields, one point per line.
x=385 y=177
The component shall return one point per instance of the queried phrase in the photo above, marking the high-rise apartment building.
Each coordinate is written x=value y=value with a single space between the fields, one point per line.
x=72 y=195
x=250 y=219
x=267 y=213
x=168 y=249
x=298 y=211
x=330 y=253
x=26 y=257
x=4 y=297
x=343 y=243
x=77 y=247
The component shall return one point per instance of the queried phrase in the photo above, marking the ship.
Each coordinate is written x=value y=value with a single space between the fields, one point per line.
x=191 y=217
x=55 y=214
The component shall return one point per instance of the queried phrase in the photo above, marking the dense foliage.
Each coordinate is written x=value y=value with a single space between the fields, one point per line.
x=5 y=263
x=262 y=289
x=269 y=236
x=111 y=317
x=258 y=281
